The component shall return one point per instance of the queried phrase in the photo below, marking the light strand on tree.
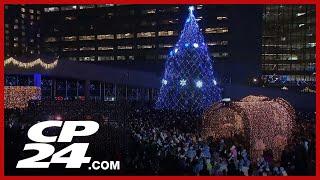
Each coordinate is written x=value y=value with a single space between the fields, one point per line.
x=189 y=82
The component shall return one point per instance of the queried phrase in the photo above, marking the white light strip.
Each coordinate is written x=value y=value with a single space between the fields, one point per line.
x=31 y=64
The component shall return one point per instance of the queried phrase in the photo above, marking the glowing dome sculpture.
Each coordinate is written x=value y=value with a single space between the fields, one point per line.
x=266 y=123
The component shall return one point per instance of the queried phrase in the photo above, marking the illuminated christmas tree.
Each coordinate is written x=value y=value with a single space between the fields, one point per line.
x=189 y=82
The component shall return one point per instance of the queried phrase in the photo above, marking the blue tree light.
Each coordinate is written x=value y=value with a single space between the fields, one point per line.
x=164 y=82
x=199 y=84
x=183 y=82
x=189 y=61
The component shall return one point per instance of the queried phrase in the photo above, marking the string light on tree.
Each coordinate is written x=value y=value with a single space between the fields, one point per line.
x=189 y=61
x=199 y=84
x=165 y=82
x=183 y=82
x=214 y=82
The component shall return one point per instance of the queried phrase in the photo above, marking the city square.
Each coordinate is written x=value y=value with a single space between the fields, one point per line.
x=199 y=90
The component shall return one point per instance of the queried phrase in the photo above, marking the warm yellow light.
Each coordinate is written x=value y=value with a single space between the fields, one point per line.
x=31 y=64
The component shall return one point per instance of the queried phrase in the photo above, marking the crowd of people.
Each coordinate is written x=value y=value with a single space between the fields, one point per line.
x=169 y=143
x=156 y=142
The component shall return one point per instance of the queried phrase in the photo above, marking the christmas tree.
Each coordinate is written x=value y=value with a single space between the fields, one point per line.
x=189 y=82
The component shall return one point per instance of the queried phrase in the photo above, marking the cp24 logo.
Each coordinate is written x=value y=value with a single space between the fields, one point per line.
x=68 y=131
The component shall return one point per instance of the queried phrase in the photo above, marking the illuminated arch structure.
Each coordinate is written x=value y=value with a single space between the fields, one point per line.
x=266 y=123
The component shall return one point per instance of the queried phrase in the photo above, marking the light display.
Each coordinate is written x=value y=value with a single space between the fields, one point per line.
x=31 y=64
x=189 y=82
x=265 y=123
x=19 y=96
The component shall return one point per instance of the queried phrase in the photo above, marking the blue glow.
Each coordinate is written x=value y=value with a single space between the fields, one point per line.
x=164 y=82
x=215 y=82
x=183 y=82
x=199 y=84
x=189 y=65
x=191 y=8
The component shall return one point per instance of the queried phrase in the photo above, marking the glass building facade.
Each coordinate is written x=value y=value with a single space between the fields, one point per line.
x=289 y=45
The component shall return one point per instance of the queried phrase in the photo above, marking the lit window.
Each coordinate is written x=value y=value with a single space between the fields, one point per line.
x=110 y=14
x=31 y=16
x=51 y=9
x=86 y=7
x=7 y=31
x=38 y=12
x=105 y=36
x=68 y=8
x=87 y=48
x=216 y=30
x=15 y=27
x=125 y=47
x=121 y=58
x=15 y=44
x=72 y=58
x=162 y=56
x=300 y=14
x=87 y=38
x=23 y=33
x=169 y=21
x=131 y=57
x=51 y=39
x=124 y=36
x=220 y=18
x=220 y=55
x=199 y=6
x=69 y=38
x=69 y=49
x=104 y=5
x=15 y=38
x=146 y=34
x=69 y=18
x=147 y=46
x=31 y=11
x=311 y=45
x=31 y=40
x=148 y=23
x=218 y=43
x=87 y=58
x=167 y=33
x=170 y=9
x=149 y=11
x=105 y=58
x=105 y=48
x=6 y=25
x=165 y=45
